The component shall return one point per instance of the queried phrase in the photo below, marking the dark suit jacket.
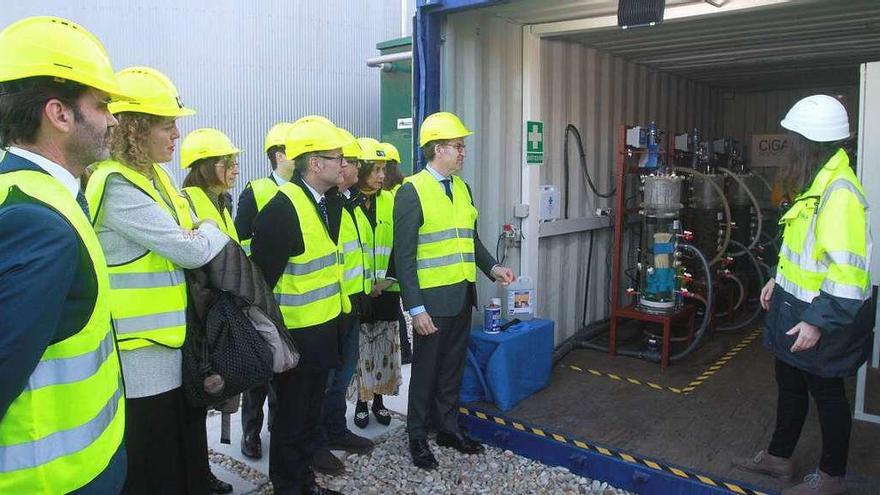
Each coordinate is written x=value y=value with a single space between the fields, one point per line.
x=277 y=237
x=246 y=211
x=47 y=290
x=443 y=301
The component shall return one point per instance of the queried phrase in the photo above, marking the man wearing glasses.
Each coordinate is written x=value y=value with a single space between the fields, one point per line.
x=295 y=245
x=437 y=251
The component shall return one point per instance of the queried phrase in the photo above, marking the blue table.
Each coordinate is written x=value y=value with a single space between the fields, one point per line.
x=507 y=367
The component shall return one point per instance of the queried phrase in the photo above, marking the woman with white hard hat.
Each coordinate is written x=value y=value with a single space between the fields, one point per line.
x=818 y=323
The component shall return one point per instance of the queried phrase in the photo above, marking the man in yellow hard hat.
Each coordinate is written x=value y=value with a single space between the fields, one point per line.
x=334 y=431
x=253 y=198
x=437 y=252
x=295 y=244
x=62 y=407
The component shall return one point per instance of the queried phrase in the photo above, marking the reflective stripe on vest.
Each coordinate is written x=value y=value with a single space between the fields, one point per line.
x=264 y=190
x=310 y=289
x=351 y=253
x=445 y=249
x=148 y=294
x=63 y=429
x=205 y=209
x=831 y=257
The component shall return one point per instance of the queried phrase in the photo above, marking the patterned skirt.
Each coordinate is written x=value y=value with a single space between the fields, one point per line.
x=378 y=368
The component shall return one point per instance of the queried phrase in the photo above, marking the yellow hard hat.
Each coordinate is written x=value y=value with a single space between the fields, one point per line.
x=371 y=150
x=391 y=152
x=56 y=47
x=205 y=143
x=276 y=135
x=314 y=134
x=441 y=125
x=352 y=149
x=151 y=91
x=319 y=118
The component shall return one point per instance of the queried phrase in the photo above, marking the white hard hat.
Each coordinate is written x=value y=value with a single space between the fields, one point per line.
x=818 y=118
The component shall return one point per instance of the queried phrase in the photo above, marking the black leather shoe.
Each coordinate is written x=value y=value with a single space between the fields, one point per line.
x=383 y=415
x=351 y=443
x=421 y=455
x=325 y=462
x=251 y=446
x=361 y=415
x=217 y=486
x=316 y=489
x=459 y=442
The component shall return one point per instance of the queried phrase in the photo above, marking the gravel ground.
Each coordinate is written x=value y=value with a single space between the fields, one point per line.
x=388 y=470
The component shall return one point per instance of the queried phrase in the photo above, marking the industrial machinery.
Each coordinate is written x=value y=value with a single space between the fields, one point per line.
x=698 y=231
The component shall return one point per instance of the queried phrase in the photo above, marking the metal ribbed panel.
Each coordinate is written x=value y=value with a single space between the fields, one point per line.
x=246 y=65
x=759 y=113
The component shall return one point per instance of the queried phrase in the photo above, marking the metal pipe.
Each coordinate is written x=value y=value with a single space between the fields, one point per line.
x=384 y=61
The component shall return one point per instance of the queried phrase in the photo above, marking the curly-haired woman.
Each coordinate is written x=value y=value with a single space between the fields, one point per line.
x=149 y=236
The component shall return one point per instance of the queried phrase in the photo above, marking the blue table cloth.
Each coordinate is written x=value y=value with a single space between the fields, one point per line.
x=507 y=367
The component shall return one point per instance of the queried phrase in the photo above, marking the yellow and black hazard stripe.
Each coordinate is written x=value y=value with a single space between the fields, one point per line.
x=609 y=452
x=696 y=382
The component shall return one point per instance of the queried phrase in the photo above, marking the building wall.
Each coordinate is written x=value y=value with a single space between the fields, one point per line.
x=482 y=81
x=246 y=65
x=760 y=113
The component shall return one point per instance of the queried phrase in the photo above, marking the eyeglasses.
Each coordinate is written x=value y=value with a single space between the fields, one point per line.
x=338 y=159
x=351 y=162
x=459 y=147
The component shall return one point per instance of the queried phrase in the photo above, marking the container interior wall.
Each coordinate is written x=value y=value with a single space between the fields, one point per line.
x=597 y=92
x=482 y=83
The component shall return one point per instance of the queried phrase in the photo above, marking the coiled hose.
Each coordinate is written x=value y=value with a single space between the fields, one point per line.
x=724 y=203
x=757 y=312
x=757 y=237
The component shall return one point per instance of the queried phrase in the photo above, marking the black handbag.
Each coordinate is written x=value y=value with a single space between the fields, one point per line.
x=225 y=356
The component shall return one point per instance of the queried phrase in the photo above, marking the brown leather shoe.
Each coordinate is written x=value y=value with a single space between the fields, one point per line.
x=251 y=446
x=764 y=463
x=818 y=483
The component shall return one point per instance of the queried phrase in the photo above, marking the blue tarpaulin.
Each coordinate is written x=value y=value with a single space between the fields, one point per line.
x=512 y=365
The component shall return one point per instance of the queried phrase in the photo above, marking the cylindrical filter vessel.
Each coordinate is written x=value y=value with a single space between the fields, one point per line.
x=658 y=277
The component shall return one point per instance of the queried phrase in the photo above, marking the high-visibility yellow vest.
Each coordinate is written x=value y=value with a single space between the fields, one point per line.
x=826 y=244
x=445 y=247
x=63 y=429
x=378 y=240
x=264 y=190
x=310 y=289
x=147 y=294
x=356 y=276
x=204 y=209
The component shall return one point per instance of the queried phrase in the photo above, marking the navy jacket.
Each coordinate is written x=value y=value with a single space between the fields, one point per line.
x=46 y=292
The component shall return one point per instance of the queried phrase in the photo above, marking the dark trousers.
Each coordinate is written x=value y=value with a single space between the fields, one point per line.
x=795 y=386
x=252 y=409
x=300 y=393
x=437 y=367
x=166 y=443
x=333 y=424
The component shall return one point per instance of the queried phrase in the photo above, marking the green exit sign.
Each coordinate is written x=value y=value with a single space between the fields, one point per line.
x=534 y=142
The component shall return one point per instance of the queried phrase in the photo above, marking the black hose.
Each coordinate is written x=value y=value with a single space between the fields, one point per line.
x=707 y=313
x=587 y=281
x=572 y=129
x=748 y=321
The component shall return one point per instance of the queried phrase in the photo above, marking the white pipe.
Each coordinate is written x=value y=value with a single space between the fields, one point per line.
x=387 y=59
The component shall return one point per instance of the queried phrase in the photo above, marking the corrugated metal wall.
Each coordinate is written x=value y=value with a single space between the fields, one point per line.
x=598 y=92
x=482 y=81
x=246 y=65
x=759 y=113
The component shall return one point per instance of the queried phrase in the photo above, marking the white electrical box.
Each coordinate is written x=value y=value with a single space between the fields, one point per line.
x=551 y=204
x=635 y=137
x=682 y=142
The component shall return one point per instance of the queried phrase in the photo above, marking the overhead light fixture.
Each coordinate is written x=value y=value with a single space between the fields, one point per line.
x=639 y=13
